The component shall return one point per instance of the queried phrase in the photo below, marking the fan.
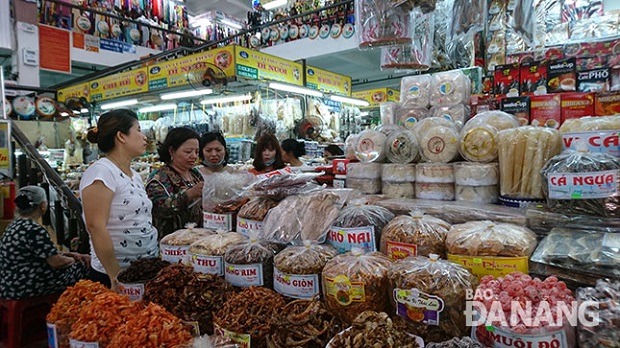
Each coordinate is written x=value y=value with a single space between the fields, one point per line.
x=310 y=127
x=206 y=75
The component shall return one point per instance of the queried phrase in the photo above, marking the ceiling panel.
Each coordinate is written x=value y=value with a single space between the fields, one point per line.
x=235 y=8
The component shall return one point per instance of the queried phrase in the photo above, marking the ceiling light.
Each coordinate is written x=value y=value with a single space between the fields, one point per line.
x=160 y=107
x=64 y=114
x=346 y=100
x=295 y=89
x=76 y=112
x=365 y=113
x=231 y=24
x=186 y=94
x=84 y=110
x=230 y=99
x=273 y=4
x=119 y=104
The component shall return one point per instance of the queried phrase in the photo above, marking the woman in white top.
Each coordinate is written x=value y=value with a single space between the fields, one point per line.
x=116 y=208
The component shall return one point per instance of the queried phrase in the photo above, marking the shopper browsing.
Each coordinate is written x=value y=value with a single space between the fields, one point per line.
x=213 y=153
x=268 y=155
x=176 y=188
x=116 y=208
x=291 y=151
x=30 y=263
x=332 y=151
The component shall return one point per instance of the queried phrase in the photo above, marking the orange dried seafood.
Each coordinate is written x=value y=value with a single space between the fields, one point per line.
x=99 y=319
x=152 y=327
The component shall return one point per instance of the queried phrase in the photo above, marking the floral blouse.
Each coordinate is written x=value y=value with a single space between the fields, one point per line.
x=172 y=210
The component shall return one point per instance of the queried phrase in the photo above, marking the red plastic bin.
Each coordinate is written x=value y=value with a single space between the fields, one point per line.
x=22 y=322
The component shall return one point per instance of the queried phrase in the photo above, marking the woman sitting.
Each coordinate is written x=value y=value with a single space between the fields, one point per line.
x=30 y=263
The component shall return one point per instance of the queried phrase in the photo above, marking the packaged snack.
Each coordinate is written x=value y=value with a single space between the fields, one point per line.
x=449 y=88
x=479 y=138
x=402 y=147
x=546 y=110
x=476 y=174
x=458 y=113
x=478 y=194
x=398 y=189
x=506 y=80
x=519 y=107
x=607 y=104
x=607 y=331
x=576 y=105
x=596 y=80
x=533 y=77
x=398 y=173
x=370 y=146
x=380 y=24
x=363 y=170
x=413 y=235
x=562 y=76
x=358 y=226
x=207 y=254
x=409 y=116
x=415 y=91
x=250 y=263
x=438 y=139
x=434 y=191
x=174 y=246
x=366 y=186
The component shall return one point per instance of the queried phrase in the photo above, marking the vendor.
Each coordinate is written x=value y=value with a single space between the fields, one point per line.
x=30 y=263
x=213 y=153
x=291 y=151
x=332 y=151
x=268 y=155
x=176 y=188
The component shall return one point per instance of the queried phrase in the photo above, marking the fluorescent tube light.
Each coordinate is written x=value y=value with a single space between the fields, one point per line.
x=185 y=94
x=160 y=107
x=64 y=114
x=230 y=99
x=353 y=101
x=77 y=112
x=231 y=24
x=273 y=4
x=365 y=113
x=295 y=89
x=119 y=104
x=84 y=110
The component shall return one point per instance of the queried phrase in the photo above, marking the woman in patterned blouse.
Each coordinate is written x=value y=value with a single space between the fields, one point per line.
x=30 y=263
x=176 y=188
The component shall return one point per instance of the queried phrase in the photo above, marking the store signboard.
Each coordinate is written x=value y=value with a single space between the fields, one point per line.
x=173 y=73
x=377 y=96
x=327 y=81
x=55 y=49
x=119 y=85
x=75 y=91
x=258 y=66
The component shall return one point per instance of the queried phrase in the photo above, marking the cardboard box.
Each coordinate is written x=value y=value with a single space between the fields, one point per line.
x=518 y=106
x=533 y=78
x=614 y=81
x=595 y=80
x=607 y=104
x=576 y=105
x=546 y=110
x=506 y=80
x=340 y=166
x=562 y=76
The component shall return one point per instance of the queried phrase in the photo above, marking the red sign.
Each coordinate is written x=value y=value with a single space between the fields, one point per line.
x=54 y=49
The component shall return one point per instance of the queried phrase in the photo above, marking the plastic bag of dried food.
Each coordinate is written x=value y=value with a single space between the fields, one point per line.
x=350 y=145
x=408 y=116
x=488 y=238
x=415 y=91
x=356 y=282
x=250 y=262
x=359 y=225
x=413 y=235
x=298 y=269
x=257 y=208
x=607 y=295
x=417 y=284
x=222 y=188
x=207 y=254
x=370 y=146
x=591 y=124
x=402 y=147
x=522 y=21
x=283 y=185
x=173 y=247
x=299 y=218
x=578 y=182
x=468 y=18
x=131 y=279
x=463 y=342
x=478 y=141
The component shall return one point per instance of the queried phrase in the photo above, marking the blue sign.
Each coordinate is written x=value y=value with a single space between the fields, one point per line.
x=116 y=46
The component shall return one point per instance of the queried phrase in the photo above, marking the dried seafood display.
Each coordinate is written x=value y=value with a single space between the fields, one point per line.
x=257 y=208
x=141 y=270
x=207 y=254
x=487 y=238
x=413 y=235
x=359 y=226
x=607 y=295
x=376 y=330
x=250 y=262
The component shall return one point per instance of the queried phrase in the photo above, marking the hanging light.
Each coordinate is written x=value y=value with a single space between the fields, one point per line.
x=295 y=89
x=119 y=104
x=161 y=107
x=231 y=99
x=352 y=101
x=186 y=94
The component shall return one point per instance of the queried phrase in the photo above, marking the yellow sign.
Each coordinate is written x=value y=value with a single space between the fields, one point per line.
x=5 y=162
x=174 y=73
x=119 y=85
x=327 y=81
x=378 y=96
x=257 y=66
x=495 y=266
x=75 y=91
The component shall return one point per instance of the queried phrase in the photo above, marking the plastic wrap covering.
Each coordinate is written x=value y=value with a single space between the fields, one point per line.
x=583 y=183
x=408 y=115
x=366 y=186
x=479 y=139
x=418 y=282
x=398 y=173
x=415 y=91
x=298 y=269
x=398 y=189
x=359 y=226
x=476 y=174
x=388 y=112
x=250 y=262
x=449 y=88
x=457 y=212
x=487 y=238
x=364 y=170
x=573 y=278
x=589 y=124
x=542 y=220
x=434 y=173
x=416 y=56
x=408 y=5
x=379 y=24
x=280 y=186
x=413 y=235
x=458 y=113
x=356 y=282
x=523 y=152
x=402 y=147
x=479 y=194
x=464 y=342
x=299 y=218
x=224 y=188
x=581 y=249
x=468 y=17
x=522 y=22
x=350 y=144
x=174 y=246
x=370 y=146
x=435 y=191
x=607 y=333
x=257 y=208
x=207 y=254
x=438 y=139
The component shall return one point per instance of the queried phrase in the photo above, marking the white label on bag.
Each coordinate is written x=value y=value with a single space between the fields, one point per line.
x=599 y=141
x=173 y=253
x=79 y=344
x=583 y=185
x=244 y=275
x=208 y=264
x=343 y=239
x=52 y=336
x=247 y=227
x=504 y=339
x=294 y=285
x=217 y=221
x=133 y=291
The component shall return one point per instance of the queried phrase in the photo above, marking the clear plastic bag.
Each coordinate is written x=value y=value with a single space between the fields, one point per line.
x=185 y=236
x=577 y=182
x=478 y=139
x=283 y=185
x=449 y=88
x=487 y=238
x=414 y=234
x=468 y=17
x=216 y=244
x=607 y=332
x=359 y=226
x=222 y=188
x=415 y=91
x=591 y=124
x=458 y=113
x=250 y=262
x=379 y=24
x=408 y=116
x=257 y=208
x=356 y=282
x=415 y=281
x=402 y=147
x=350 y=144
x=438 y=139
x=370 y=146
